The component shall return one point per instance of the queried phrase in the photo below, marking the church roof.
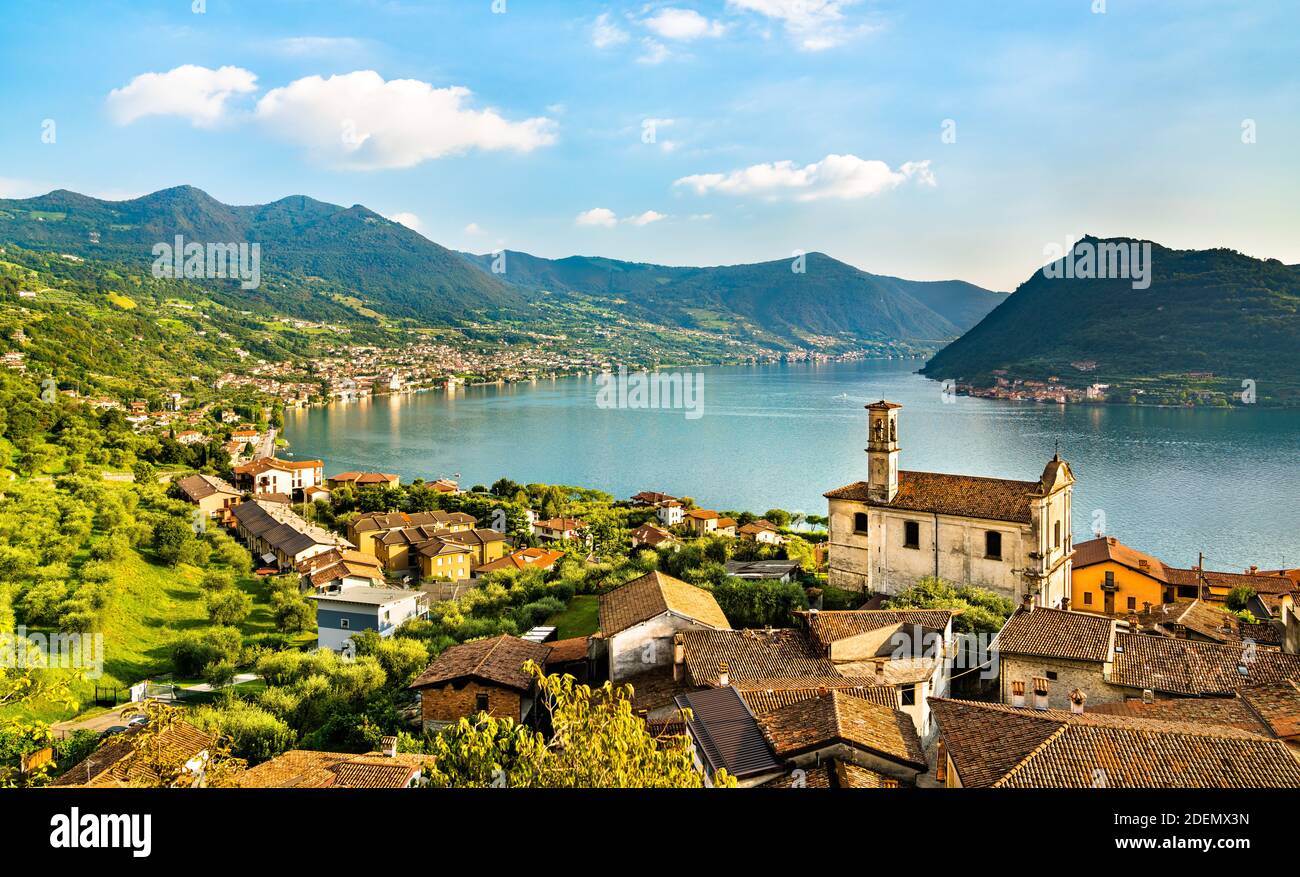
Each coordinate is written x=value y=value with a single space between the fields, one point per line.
x=965 y=496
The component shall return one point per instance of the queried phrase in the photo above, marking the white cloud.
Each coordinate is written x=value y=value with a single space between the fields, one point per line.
x=605 y=33
x=358 y=120
x=645 y=218
x=603 y=217
x=473 y=228
x=196 y=93
x=683 y=24
x=655 y=52
x=813 y=24
x=836 y=176
x=598 y=216
x=410 y=220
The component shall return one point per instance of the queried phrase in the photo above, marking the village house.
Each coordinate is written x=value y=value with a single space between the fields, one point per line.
x=275 y=534
x=212 y=495
x=651 y=536
x=651 y=499
x=638 y=621
x=363 y=479
x=523 y=558
x=561 y=530
x=705 y=522
x=483 y=676
x=340 y=614
x=339 y=569
x=761 y=531
x=1079 y=749
x=190 y=437
x=898 y=527
x=273 y=475
x=119 y=763
x=310 y=769
x=670 y=514
x=1050 y=658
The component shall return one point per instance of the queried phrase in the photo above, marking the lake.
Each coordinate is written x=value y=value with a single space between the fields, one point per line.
x=1171 y=482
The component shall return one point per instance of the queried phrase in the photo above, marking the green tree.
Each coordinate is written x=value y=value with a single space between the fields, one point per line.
x=598 y=742
x=228 y=606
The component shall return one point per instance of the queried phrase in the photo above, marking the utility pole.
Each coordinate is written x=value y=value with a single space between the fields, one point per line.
x=1200 y=575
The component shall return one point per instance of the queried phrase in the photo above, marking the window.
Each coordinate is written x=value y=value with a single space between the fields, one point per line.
x=1051 y=675
x=1110 y=579
x=481 y=702
x=1132 y=602
x=861 y=522
x=993 y=545
x=1087 y=598
x=911 y=534
x=344 y=623
x=908 y=693
x=1056 y=529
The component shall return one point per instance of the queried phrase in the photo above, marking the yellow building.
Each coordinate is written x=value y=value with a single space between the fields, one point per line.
x=442 y=560
x=1111 y=578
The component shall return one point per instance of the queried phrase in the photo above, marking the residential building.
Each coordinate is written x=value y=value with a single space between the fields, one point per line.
x=670 y=514
x=363 y=479
x=365 y=528
x=276 y=535
x=483 y=676
x=339 y=569
x=273 y=475
x=310 y=769
x=638 y=621
x=701 y=522
x=898 y=527
x=1079 y=750
x=560 y=530
x=651 y=536
x=762 y=531
x=214 y=496
x=444 y=560
x=118 y=763
x=340 y=614
x=523 y=558
x=651 y=499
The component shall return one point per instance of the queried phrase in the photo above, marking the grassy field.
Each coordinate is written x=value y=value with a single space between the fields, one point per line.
x=153 y=605
x=580 y=618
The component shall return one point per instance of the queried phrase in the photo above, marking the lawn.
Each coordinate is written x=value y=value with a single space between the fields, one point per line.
x=580 y=618
x=152 y=605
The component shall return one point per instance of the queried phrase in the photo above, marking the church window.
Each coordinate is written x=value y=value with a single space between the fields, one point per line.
x=861 y=522
x=911 y=534
x=993 y=545
x=1057 y=528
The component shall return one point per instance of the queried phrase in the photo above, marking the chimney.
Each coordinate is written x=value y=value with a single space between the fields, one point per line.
x=1018 y=693
x=1110 y=540
x=724 y=678
x=1253 y=569
x=880 y=672
x=388 y=746
x=679 y=657
x=1027 y=602
x=1065 y=603
x=1077 y=699
x=1148 y=696
x=1146 y=606
x=1040 y=692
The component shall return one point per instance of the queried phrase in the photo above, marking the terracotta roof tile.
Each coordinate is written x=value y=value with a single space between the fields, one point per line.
x=1056 y=633
x=499 y=659
x=752 y=654
x=968 y=496
x=1189 y=667
x=839 y=717
x=827 y=627
x=653 y=594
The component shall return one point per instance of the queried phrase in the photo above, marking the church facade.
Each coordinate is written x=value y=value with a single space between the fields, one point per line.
x=898 y=527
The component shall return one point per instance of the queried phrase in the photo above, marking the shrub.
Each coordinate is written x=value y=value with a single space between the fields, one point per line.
x=194 y=650
x=254 y=733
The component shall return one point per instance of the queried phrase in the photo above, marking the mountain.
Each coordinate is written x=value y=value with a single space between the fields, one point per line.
x=828 y=298
x=324 y=262
x=316 y=254
x=1206 y=311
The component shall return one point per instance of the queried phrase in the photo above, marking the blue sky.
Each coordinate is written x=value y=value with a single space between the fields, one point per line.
x=778 y=125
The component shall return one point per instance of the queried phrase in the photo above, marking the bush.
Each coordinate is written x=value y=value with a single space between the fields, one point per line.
x=195 y=650
x=254 y=733
x=767 y=603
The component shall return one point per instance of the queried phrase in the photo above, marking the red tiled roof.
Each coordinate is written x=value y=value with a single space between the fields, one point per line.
x=967 y=496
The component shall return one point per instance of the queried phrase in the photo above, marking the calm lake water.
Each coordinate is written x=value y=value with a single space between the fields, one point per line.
x=1169 y=481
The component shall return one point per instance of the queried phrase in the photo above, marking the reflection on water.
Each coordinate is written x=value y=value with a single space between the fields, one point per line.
x=1169 y=481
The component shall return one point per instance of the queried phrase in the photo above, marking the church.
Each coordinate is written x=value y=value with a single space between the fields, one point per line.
x=898 y=527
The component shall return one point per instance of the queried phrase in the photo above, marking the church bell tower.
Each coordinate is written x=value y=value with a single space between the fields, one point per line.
x=882 y=451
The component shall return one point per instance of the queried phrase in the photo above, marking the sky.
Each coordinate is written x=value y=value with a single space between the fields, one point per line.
x=920 y=139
